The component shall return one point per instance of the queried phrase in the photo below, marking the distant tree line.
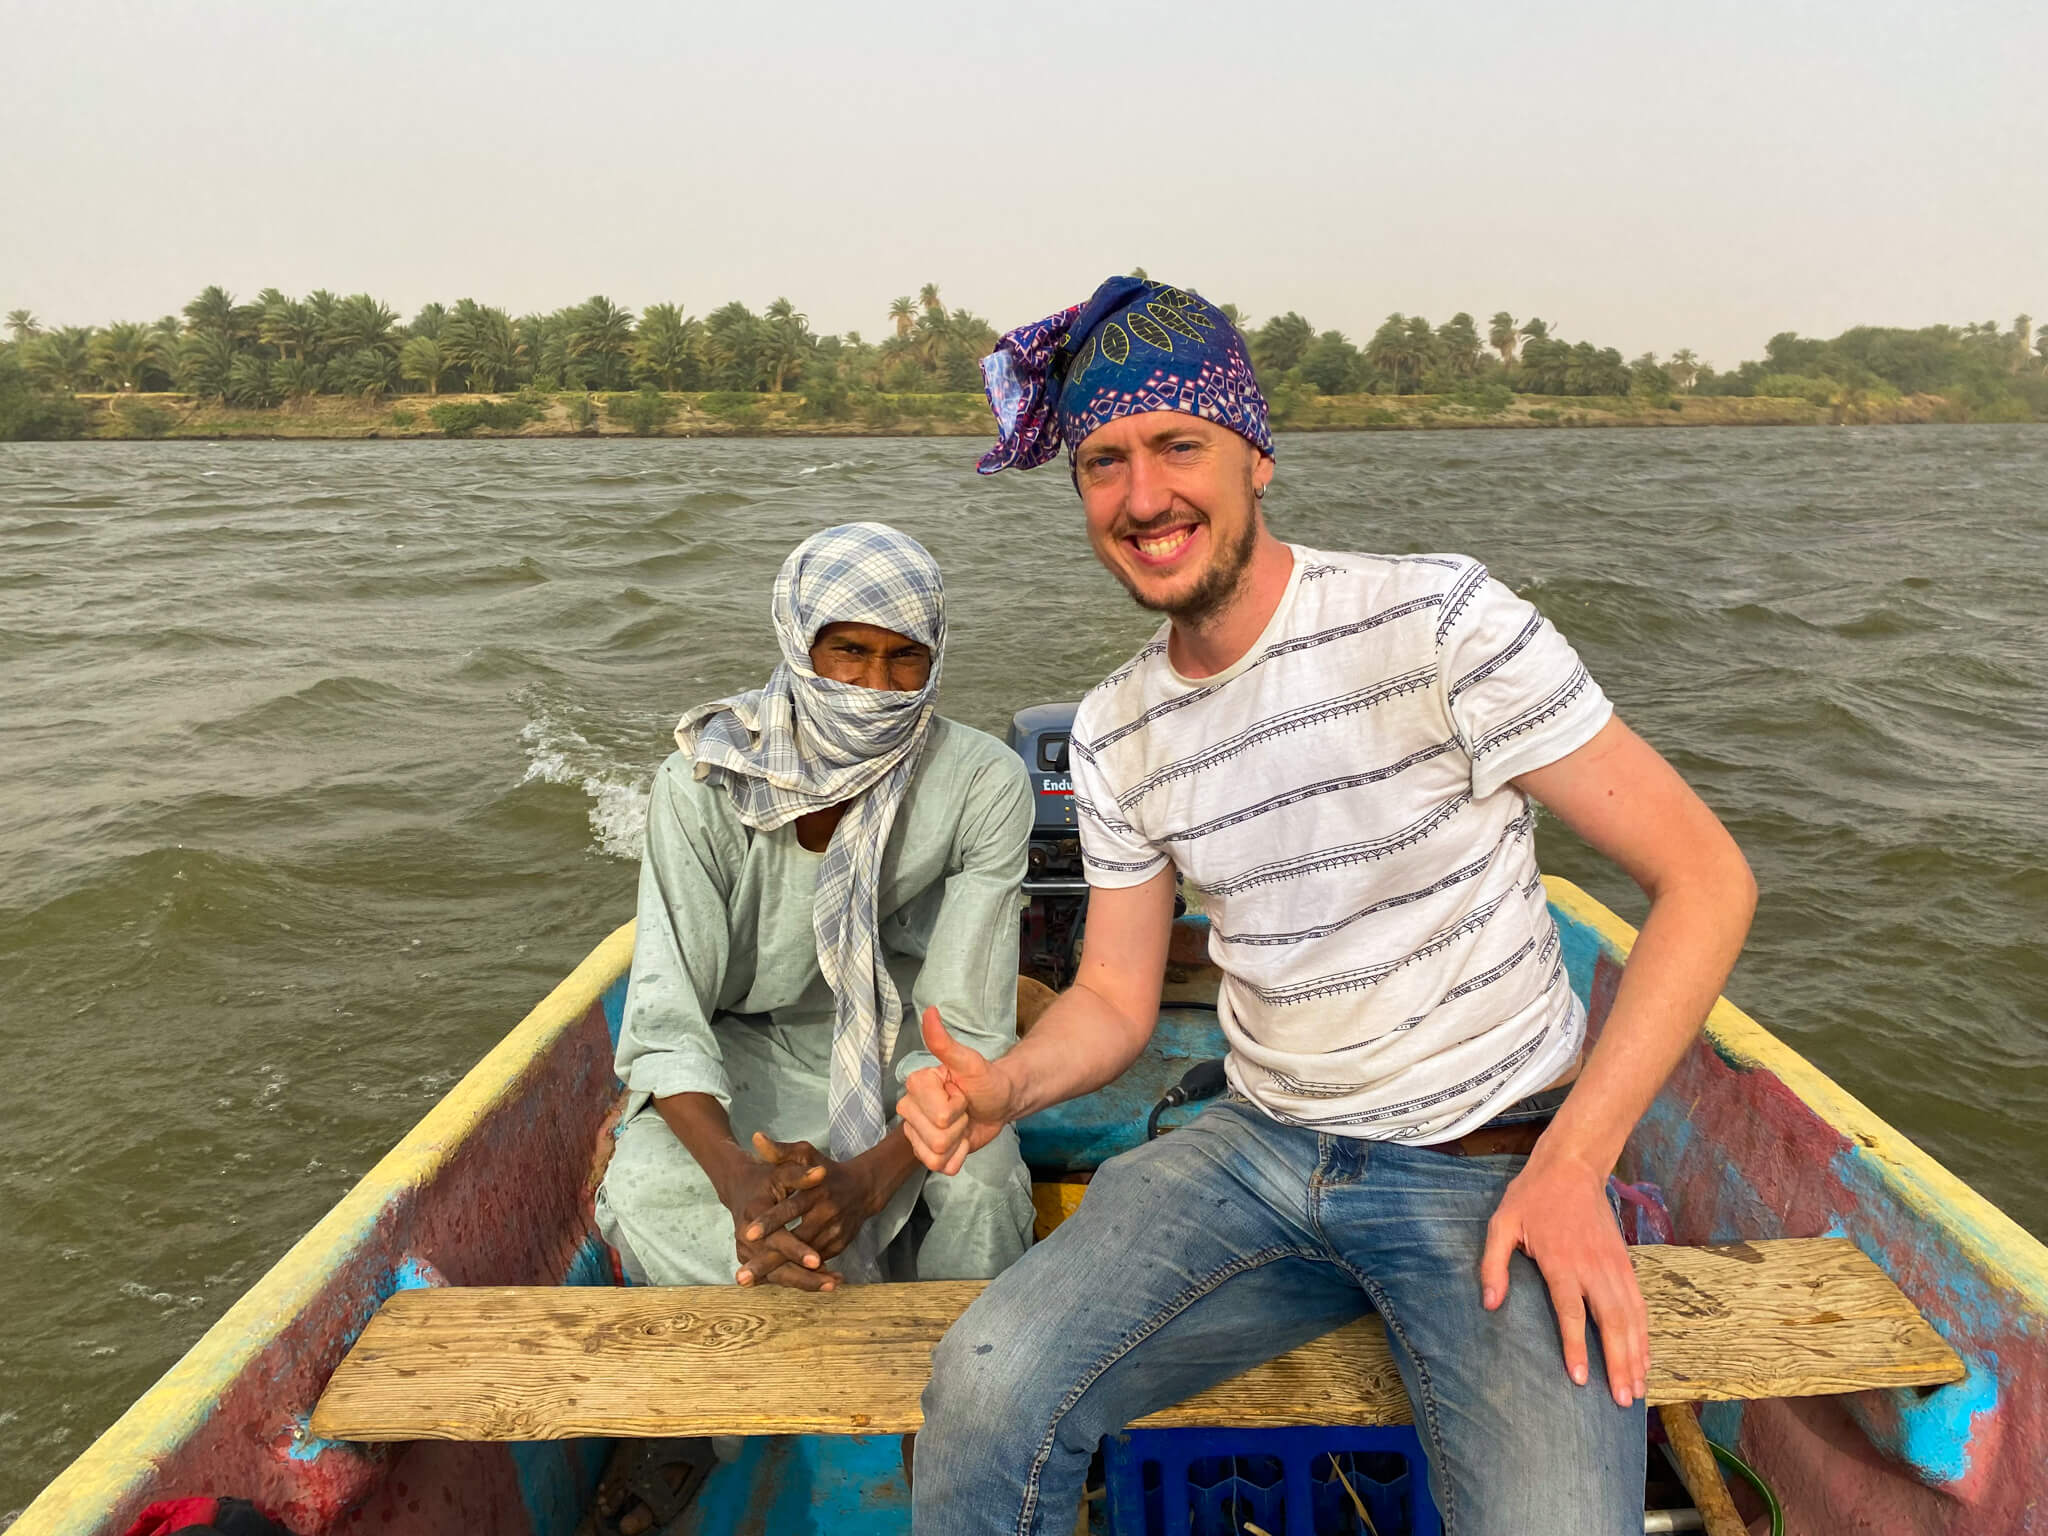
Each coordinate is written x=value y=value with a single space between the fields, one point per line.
x=277 y=351
x=1992 y=373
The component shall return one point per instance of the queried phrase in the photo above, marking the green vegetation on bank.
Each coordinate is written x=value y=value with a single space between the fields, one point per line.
x=279 y=366
x=653 y=413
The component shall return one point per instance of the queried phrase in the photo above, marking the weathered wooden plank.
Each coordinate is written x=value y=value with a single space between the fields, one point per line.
x=1778 y=1319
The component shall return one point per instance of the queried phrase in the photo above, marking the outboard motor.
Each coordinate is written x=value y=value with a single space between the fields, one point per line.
x=1055 y=887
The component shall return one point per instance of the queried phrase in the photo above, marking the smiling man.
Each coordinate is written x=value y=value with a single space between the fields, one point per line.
x=1341 y=751
x=818 y=852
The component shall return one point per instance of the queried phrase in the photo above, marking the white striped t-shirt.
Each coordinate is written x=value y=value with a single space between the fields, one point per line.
x=1342 y=797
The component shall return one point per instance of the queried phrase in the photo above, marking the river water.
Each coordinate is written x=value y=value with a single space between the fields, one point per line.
x=320 y=763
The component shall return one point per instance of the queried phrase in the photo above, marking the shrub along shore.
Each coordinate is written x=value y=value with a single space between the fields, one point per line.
x=646 y=413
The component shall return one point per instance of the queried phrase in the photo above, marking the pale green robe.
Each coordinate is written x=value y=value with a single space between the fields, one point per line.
x=726 y=998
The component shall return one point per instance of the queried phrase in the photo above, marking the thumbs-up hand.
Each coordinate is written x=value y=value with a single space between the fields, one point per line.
x=956 y=1107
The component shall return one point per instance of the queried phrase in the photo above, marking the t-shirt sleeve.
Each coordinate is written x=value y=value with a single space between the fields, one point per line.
x=1114 y=854
x=1518 y=695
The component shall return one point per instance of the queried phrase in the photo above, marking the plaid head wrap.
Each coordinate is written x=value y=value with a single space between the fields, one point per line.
x=1136 y=346
x=805 y=742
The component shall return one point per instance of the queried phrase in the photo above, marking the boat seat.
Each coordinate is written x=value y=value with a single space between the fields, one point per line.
x=1790 y=1318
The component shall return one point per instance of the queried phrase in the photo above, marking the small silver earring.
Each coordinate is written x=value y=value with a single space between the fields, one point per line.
x=1259 y=492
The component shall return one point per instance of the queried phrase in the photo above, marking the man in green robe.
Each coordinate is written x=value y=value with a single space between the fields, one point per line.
x=820 y=853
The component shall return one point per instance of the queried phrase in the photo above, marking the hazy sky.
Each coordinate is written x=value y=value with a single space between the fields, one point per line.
x=1648 y=175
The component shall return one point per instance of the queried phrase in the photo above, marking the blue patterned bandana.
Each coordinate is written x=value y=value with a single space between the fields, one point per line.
x=1136 y=346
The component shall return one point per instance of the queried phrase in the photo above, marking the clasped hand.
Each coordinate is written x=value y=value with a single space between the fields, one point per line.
x=1556 y=1212
x=793 y=1209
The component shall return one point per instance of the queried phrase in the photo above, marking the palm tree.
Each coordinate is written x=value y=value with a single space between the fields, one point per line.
x=213 y=311
x=1542 y=365
x=124 y=352
x=428 y=321
x=459 y=330
x=1503 y=335
x=1402 y=348
x=249 y=383
x=1684 y=369
x=423 y=362
x=735 y=347
x=286 y=325
x=904 y=312
x=1282 y=342
x=1536 y=330
x=665 y=349
x=552 y=362
x=928 y=339
x=61 y=359
x=601 y=334
x=497 y=352
x=786 y=354
x=1387 y=351
x=320 y=307
x=22 y=326
x=369 y=372
x=205 y=359
x=789 y=342
x=1424 y=351
x=362 y=324
x=1457 y=345
x=928 y=296
x=484 y=341
x=293 y=379
x=974 y=333
x=1589 y=372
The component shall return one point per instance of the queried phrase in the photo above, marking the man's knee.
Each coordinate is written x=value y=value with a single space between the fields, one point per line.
x=657 y=1207
x=981 y=1361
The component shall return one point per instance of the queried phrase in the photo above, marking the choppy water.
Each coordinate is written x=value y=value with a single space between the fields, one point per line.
x=320 y=763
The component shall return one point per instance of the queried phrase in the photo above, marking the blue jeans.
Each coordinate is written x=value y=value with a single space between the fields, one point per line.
x=1234 y=1240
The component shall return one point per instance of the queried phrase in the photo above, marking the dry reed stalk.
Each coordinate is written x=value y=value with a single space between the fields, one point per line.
x=1356 y=1502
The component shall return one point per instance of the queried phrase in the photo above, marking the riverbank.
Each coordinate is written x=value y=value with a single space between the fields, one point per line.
x=728 y=414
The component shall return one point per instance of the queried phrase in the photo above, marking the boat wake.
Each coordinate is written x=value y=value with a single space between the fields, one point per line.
x=558 y=753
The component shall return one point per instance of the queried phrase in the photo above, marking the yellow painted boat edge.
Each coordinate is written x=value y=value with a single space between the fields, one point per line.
x=173 y=1409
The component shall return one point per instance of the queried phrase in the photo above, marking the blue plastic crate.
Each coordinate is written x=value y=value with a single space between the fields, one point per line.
x=1212 y=1482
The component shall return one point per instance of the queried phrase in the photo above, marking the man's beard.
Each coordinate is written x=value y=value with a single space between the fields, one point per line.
x=1217 y=587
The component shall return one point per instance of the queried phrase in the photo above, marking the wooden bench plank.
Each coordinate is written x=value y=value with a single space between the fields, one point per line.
x=1794 y=1318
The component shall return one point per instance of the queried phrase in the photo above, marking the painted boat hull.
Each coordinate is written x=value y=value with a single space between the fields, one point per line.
x=494 y=1186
